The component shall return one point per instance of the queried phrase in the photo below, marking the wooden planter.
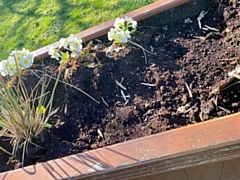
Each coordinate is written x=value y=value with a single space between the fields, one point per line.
x=203 y=143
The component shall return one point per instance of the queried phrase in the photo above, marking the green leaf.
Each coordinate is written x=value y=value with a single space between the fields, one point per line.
x=47 y=125
x=65 y=57
x=132 y=31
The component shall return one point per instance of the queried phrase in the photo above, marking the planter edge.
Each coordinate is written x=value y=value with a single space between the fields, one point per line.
x=202 y=143
x=175 y=149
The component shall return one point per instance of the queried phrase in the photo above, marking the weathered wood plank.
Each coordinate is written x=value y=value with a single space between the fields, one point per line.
x=231 y=170
x=173 y=175
x=142 y=178
x=206 y=171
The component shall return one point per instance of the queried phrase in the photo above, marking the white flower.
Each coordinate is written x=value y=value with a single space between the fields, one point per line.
x=23 y=58
x=17 y=61
x=120 y=33
x=134 y=24
x=70 y=38
x=131 y=22
x=25 y=52
x=126 y=36
x=12 y=69
x=11 y=66
x=75 y=51
x=18 y=56
x=3 y=67
x=27 y=61
x=54 y=53
x=111 y=34
x=71 y=43
x=63 y=43
x=119 y=23
x=120 y=37
x=77 y=42
x=15 y=58
x=15 y=53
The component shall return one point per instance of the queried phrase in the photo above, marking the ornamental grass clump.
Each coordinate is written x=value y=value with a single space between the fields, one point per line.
x=23 y=115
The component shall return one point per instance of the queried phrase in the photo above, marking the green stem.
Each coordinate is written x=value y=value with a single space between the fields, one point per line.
x=54 y=89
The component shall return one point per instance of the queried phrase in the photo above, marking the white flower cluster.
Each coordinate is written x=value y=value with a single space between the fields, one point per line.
x=17 y=61
x=121 y=32
x=72 y=43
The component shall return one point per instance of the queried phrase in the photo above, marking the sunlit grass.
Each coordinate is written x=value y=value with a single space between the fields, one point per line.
x=33 y=24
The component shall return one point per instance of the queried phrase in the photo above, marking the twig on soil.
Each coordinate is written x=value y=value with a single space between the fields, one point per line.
x=224 y=109
x=4 y=150
x=230 y=59
x=215 y=101
x=37 y=75
x=52 y=113
x=105 y=102
x=233 y=84
x=112 y=48
x=211 y=28
x=147 y=84
x=187 y=107
x=71 y=86
x=220 y=4
x=152 y=49
x=80 y=91
x=183 y=109
x=144 y=50
x=99 y=41
x=126 y=102
x=65 y=108
x=100 y=133
x=126 y=98
x=189 y=91
x=228 y=82
x=206 y=27
x=123 y=95
x=120 y=85
x=191 y=107
x=153 y=27
x=233 y=60
x=201 y=15
x=200 y=37
x=222 y=85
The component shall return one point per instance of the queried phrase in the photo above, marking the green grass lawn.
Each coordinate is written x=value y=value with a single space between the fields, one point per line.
x=36 y=23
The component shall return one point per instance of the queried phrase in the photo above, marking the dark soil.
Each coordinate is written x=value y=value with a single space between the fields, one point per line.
x=185 y=55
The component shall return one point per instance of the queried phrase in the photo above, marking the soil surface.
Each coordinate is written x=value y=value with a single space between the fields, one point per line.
x=186 y=82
